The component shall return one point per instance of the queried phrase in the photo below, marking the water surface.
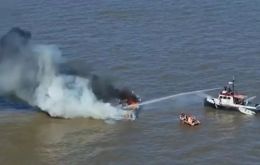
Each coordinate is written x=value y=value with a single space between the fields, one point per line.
x=157 y=48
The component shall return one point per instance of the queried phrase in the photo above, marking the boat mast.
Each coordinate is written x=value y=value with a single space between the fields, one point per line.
x=233 y=85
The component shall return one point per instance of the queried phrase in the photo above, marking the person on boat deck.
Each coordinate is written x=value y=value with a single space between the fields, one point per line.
x=225 y=90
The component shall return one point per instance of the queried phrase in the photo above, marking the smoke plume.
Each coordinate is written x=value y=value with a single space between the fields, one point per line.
x=32 y=73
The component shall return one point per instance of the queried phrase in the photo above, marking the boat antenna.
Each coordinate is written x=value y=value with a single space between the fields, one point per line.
x=233 y=84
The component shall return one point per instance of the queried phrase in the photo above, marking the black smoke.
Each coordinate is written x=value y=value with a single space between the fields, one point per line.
x=13 y=42
x=18 y=67
x=19 y=70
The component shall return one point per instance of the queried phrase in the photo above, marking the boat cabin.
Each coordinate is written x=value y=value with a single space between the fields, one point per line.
x=228 y=98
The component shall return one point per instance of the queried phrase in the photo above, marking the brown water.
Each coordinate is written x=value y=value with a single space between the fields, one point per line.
x=157 y=48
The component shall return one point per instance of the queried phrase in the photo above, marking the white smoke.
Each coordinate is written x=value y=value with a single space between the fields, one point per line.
x=66 y=95
x=32 y=76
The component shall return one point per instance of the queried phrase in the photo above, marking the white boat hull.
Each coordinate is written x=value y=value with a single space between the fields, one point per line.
x=246 y=111
x=215 y=103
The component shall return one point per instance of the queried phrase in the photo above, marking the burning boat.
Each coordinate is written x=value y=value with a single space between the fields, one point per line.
x=128 y=100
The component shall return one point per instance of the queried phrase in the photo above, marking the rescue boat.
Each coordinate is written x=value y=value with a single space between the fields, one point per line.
x=229 y=99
